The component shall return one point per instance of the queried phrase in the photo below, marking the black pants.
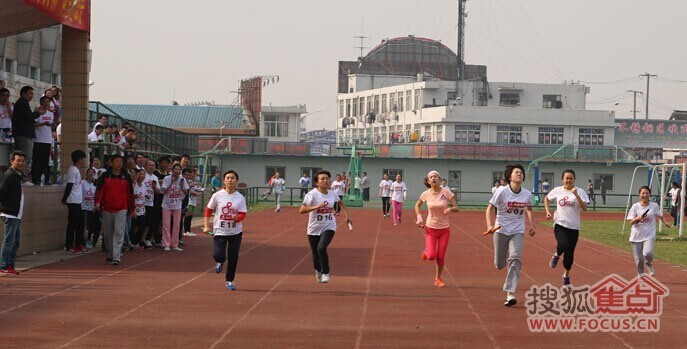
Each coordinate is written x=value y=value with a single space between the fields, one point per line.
x=676 y=218
x=227 y=247
x=337 y=206
x=318 y=246
x=93 y=224
x=303 y=192
x=366 y=194
x=187 y=222
x=386 y=204
x=181 y=222
x=75 y=226
x=40 y=163
x=566 y=241
x=153 y=220
x=138 y=230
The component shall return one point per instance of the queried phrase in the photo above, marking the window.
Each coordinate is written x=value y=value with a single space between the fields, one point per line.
x=401 y=105
x=348 y=108
x=271 y=170
x=376 y=104
x=428 y=133
x=276 y=125
x=355 y=106
x=591 y=136
x=384 y=104
x=453 y=180
x=33 y=73
x=509 y=134
x=409 y=97
x=440 y=133
x=495 y=177
x=8 y=65
x=370 y=109
x=509 y=99
x=549 y=177
x=550 y=135
x=416 y=104
x=361 y=106
x=552 y=101
x=54 y=79
x=608 y=180
x=468 y=133
x=392 y=102
x=310 y=171
x=341 y=108
x=392 y=173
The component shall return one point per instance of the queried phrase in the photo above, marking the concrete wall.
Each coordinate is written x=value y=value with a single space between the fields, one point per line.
x=475 y=175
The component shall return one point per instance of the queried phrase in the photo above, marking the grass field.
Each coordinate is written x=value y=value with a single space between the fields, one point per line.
x=668 y=246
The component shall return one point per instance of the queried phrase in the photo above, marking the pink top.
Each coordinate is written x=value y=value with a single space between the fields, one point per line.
x=436 y=204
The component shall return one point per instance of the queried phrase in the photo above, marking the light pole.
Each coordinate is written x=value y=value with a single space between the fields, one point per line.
x=222 y=124
x=301 y=122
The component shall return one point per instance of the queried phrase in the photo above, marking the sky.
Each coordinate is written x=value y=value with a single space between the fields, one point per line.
x=156 y=51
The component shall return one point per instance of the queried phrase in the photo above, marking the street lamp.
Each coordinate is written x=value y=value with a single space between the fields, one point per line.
x=301 y=125
x=222 y=124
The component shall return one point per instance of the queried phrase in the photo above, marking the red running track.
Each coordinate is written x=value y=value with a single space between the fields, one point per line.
x=381 y=293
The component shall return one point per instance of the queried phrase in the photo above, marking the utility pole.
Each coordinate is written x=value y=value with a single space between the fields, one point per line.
x=362 y=38
x=634 y=106
x=647 y=91
x=460 y=51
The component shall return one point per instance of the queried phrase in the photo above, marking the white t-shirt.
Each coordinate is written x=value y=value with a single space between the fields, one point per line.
x=321 y=219
x=58 y=130
x=193 y=192
x=174 y=196
x=397 y=190
x=278 y=185
x=88 y=194
x=94 y=137
x=140 y=198
x=646 y=228
x=673 y=196
x=386 y=188
x=44 y=133
x=227 y=207
x=74 y=177
x=494 y=189
x=567 y=208
x=337 y=188
x=358 y=182
x=150 y=192
x=5 y=117
x=511 y=207
x=98 y=173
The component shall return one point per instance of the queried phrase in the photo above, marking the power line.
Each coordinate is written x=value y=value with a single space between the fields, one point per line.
x=620 y=81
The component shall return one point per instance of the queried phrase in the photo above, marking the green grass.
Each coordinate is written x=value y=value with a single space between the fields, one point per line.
x=669 y=247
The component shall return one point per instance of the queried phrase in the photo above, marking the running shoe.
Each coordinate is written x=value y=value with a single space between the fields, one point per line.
x=116 y=262
x=177 y=249
x=148 y=244
x=5 y=271
x=83 y=248
x=231 y=286
x=566 y=281
x=318 y=276
x=11 y=270
x=218 y=267
x=439 y=283
x=108 y=260
x=89 y=243
x=167 y=249
x=73 y=250
x=182 y=243
x=188 y=233
x=652 y=271
x=510 y=301
x=641 y=275
x=423 y=255
x=324 y=279
x=554 y=261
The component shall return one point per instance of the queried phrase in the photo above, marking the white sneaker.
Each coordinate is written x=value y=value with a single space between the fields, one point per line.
x=177 y=249
x=28 y=184
x=318 y=276
x=325 y=278
x=188 y=233
x=510 y=300
x=652 y=271
x=167 y=249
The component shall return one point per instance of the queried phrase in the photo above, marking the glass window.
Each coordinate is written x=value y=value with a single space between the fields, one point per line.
x=552 y=101
x=392 y=172
x=468 y=133
x=453 y=180
x=376 y=104
x=550 y=135
x=440 y=133
x=276 y=125
x=591 y=136
x=341 y=108
x=355 y=106
x=416 y=103
x=384 y=104
x=271 y=170
x=392 y=102
x=495 y=177
x=409 y=97
x=8 y=65
x=608 y=181
x=401 y=105
x=509 y=134
x=509 y=99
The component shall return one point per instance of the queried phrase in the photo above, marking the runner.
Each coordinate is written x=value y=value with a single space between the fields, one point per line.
x=338 y=187
x=512 y=202
x=229 y=209
x=399 y=191
x=569 y=201
x=278 y=184
x=385 y=194
x=319 y=204
x=642 y=216
x=440 y=202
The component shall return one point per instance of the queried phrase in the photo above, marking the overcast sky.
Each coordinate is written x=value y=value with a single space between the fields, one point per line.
x=154 y=51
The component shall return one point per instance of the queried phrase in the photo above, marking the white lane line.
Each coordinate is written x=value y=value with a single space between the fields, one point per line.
x=368 y=286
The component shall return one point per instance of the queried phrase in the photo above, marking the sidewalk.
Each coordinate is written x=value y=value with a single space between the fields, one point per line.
x=38 y=259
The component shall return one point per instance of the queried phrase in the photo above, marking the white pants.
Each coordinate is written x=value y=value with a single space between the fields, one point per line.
x=644 y=253
x=277 y=198
x=507 y=251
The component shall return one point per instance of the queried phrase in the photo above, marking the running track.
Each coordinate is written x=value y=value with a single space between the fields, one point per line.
x=381 y=293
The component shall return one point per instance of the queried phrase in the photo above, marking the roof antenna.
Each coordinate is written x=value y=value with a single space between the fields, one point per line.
x=362 y=38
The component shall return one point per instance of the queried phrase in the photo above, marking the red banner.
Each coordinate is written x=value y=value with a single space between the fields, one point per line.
x=73 y=13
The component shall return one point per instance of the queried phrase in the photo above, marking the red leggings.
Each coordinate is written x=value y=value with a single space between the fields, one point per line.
x=436 y=243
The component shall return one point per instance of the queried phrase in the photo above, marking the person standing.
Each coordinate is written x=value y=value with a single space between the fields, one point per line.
x=11 y=211
x=305 y=184
x=5 y=116
x=590 y=191
x=319 y=205
x=156 y=215
x=338 y=187
x=174 y=188
x=73 y=198
x=674 y=195
x=357 y=186
x=366 y=187
x=217 y=182
x=87 y=206
x=398 y=195
x=138 y=224
x=229 y=209
x=602 y=189
x=642 y=217
x=570 y=200
x=545 y=187
x=385 y=194
x=513 y=202
x=278 y=184
x=440 y=202
x=42 y=142
x=23 y=124
x=114 y=196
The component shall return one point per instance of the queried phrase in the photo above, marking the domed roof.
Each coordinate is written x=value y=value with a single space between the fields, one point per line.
x=411 y=55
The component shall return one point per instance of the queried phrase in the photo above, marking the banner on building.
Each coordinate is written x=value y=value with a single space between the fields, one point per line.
x=650 y=133
x=251 y=100
x=73 y=13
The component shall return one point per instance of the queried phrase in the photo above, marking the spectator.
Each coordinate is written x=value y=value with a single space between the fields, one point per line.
x=187 y=173
x=185 y=161
x=96 y=137
x=357 y=185
x=56 y=103
x=141 y=162
x=95 y=164
x=40 y=162
x=602 y=189
x=305 y=184
x=152 y=214
x=130 y=162
x=366 y=187
x=138 y=226
x=11 y=211
x=160 y=173
x=87 y=206
x=174 y=188
x=23 y=126
x=193 y=193
x=590 y=191
x=114 y=197
x=73 y=198
x=102 y=121
x=5 y=116
x=217 y=181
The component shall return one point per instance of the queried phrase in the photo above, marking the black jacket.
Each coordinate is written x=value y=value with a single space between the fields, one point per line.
x=23 y=124
x=10 y=192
